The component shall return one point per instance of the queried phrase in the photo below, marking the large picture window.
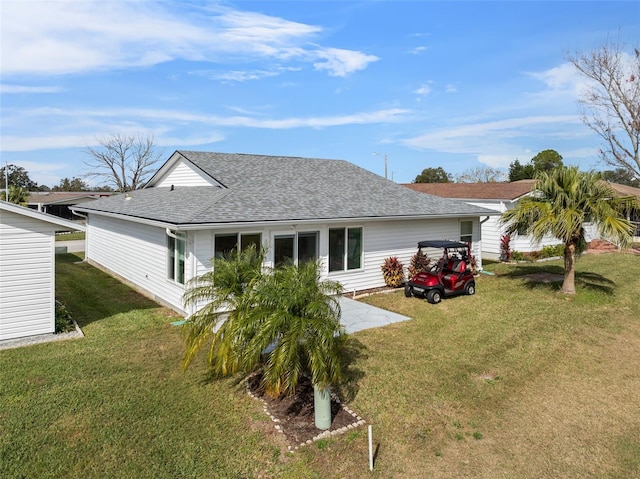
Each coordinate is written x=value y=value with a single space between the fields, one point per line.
x=176 y=247
x=227 y=242
x=345 y=249
x=295 y=248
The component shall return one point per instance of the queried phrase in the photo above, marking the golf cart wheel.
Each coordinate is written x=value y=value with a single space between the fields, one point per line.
x=470 y=289
x=408 y=291
x=434 y=296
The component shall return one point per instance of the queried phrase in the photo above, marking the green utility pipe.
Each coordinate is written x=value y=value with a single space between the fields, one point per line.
x=322 y=407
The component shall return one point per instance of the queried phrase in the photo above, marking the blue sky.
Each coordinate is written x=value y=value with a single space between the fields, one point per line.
x=454 y=84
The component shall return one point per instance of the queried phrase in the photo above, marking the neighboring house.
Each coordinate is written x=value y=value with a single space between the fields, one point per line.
x=57 y=203
x=27 y=270
x=199 y=205
x=502 y=197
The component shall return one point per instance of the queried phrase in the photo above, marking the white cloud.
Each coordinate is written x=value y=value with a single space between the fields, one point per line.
x=238 y=76
x=451 y=88
x=418 y=50
x=340 y=62
x=63 y=37
x=423 y=90
x=92 y=123
x=495 y=143
x=4 y=88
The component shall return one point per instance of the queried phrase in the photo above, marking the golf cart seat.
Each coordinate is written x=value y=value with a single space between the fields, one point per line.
x=452 y=271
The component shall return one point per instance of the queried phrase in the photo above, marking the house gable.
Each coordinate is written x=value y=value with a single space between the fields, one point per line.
x=179 y=171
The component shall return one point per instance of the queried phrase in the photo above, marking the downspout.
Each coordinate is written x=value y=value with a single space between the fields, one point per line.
x=86 y=259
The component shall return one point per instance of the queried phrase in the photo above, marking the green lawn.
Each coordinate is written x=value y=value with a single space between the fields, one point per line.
x=517 y=381
x=72 y=236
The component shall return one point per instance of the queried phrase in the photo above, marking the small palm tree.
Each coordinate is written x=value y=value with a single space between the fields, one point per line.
x=296 y=317
x=225 y=290
x=562 y=201
x=17 y=195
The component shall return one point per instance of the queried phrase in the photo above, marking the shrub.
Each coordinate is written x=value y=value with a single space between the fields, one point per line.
x=419 y=263
x=393 y=272
x=473 y=264
x=552 y=251
x=518 y=256
x=64 y=323
x=505 y=248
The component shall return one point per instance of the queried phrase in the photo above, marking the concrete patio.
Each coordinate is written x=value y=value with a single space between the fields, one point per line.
x=357 y=316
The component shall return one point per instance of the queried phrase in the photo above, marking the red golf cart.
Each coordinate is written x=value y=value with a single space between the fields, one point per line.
x=449 y=276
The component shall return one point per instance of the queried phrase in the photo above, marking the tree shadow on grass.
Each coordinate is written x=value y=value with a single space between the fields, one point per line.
x=550 y=277
x=353 y=353
x=595 y=282
x=91 y=294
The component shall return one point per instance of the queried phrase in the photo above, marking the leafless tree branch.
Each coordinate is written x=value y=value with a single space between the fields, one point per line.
x=611 y=105
x=123 y=162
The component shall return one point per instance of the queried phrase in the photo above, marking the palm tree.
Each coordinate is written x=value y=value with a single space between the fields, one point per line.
x=286 y=323
x=562 y=201
x=297 y=332
x=224 y=290
x=17 y=195
x=297 y=320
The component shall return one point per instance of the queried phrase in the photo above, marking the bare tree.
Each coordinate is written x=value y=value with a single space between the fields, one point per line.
x=611 y=105
x=123 y=161
x=481 y=174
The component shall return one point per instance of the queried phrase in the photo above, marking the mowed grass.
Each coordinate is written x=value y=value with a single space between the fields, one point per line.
x=517 y=381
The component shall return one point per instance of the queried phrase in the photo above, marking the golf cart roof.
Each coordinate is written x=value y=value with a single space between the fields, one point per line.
x=442 y=244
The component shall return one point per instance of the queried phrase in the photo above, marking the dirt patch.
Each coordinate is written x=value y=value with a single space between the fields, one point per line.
x=294 y=416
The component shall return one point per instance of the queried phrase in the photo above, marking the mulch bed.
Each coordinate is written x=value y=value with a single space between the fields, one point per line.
x=294 y=417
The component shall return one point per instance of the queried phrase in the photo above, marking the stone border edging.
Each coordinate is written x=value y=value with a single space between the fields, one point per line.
x=42 y=338
x=323 y=435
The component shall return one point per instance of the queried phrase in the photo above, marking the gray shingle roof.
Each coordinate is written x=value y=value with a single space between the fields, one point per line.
x=261 y=188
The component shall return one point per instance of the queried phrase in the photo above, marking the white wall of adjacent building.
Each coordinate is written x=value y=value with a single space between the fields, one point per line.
x=27 y=279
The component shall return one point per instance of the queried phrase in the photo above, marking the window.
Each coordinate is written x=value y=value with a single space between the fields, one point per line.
x=176 y=246
x=295 y=248
x=466 y=231
x=227 y=242
x=345 y=248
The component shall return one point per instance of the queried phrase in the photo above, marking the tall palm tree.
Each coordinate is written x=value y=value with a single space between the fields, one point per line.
x=223 y=294
x=561 y=202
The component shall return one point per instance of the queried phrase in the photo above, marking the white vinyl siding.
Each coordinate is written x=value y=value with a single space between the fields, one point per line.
x=492 y=231
x=137 y=253
x=184 y=174
x=27 y=279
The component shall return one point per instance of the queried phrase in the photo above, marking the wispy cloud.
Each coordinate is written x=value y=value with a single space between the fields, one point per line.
x=496 y=143
x=423 y=90
x=95 y=123
x=418 y=50
x=450 y=88
x=4 y=88
x=76 y=37
x=340 y=62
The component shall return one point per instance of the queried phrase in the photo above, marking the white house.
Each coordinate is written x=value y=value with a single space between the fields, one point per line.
x=27 y=270
x=199 y=204
x=501 y=197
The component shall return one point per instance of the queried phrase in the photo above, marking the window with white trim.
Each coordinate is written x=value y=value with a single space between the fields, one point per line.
x=176 y=250
x=345 y=249
x=227 y=242
x=466 y=231
x=295 y=248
